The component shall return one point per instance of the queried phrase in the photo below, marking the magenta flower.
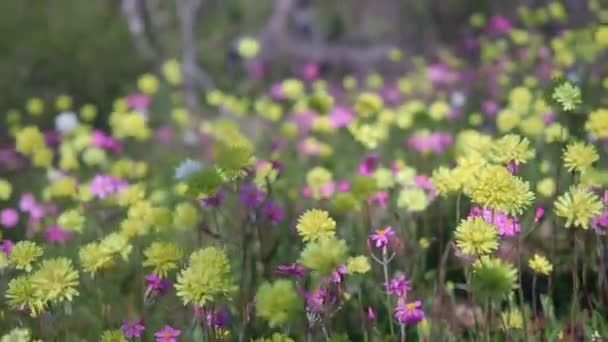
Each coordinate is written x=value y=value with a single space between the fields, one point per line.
x=505 y=224
x=9 y=217
x=398 y=286
x=340 y=116
x=55 y=233
x=539 y=214
x=6 y=246
x=369 y=164
x=214 y=201
x=295 y=270
x=132 y=328
x=105 y=141
x=103 y=186
x=381 y=236
x=273 y=212
x=371 y=314
x=157 y=284
x=410 y=313
x=251 y=196
x=499 y=24
x=381 y=198
x=27 y=202
x=167 y=334
x=338 y=275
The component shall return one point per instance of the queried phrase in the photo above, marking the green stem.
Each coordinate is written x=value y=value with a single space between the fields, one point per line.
x=388 y=296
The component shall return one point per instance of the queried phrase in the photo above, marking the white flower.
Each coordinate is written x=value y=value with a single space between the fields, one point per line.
x=187 y=168
x=66 y=122
x=458 y=99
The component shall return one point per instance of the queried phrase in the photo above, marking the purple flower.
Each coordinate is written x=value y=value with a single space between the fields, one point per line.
x=157 y=284
x=55 y=233
x=214 y=201
x=6 y=246
x=539 y=213
x=369 y=164
x=316 y=299
x=132 y=328
x=295 y=270
x=104 y=185
x=371 y=314
x=27 y=202
x=139 y=101
x=381 y=236
x=410 y=313
x=251 y=196
x=218 y=318
x=9 y=217
x=600 y=223
x=398 y=286
x=338 y=275
x=167 y=334
x=505 y=224
x=273 y=212
x=499 y=24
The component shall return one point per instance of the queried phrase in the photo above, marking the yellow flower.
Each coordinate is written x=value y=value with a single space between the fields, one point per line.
x=438 y=110
x=28 y=140
x=512 y=148
x=185 y=216
x=315 y=224
x=93 y=258
x=358 y=264
x=475 y=236
x=116 y=243
x=6 y=189
x=368 y=104
x=601 y=36
x=56 y=280
x=23 y=254
x=578 y=206
x=540 y=265
x=316 y=179
x=88 y=112
x=248 y=47
x=546 y=187
x=511 y=319
x=21 y=294
x=597 y=123
x=445 y=181
x=63 y=102
x=520 y=99
x=507 y=120
x=414 y=200
x=35 y=106
x=555 y=132
x=578 y=156
x=172 y=71
x=162 y=257
x=72 y=219
x=148 y=84
x=43 y=157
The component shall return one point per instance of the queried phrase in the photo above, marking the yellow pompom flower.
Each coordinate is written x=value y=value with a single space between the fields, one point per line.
x=475 y=236
x=601 y=36
x=72 y=219
x=62 y=187
x=43 y=157
x=555 y=132
x=578 y=156
x=292 y=88
x=248 y=48
x=315 y=224
x=493 y=186
x=28 y=140
x=63 y=102
x=56 y=280
x=148 y=84
x=35 y=106
x=578 y=206
x=597 y=124
x=358 y=265
x=413 y=200
x=185 y=216
x=21 y=295
x=93 y=258
x=316 y=179
x=520 y=99
x=512 y=148
x=507 y=120
x=116 y=244
x=439 y=110
x=172 y=71
x=6 y=189
x=162 y=257
x=24 y=254
x=512 y=319
x=113 y=336
x=546 y=187
x=368 y=104
x=445 y=181
x=88 y=112
x=540 y=265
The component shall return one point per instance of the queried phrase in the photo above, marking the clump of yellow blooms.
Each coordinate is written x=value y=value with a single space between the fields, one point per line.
x=540 y=265
x=475 y=236
x=578 y=156
x=578 y=206
x=315 y=224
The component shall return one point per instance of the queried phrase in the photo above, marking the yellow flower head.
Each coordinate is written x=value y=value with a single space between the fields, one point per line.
x=162 y=257
x=597 y=123
x=6 y=189
x=475 y=236
x=315 y=224
x=444 y=181
x=578 y=206
x=578 y=156
x=56 y=280
x=28 y=140
x=546 y=187
x=93 y=258
x=358 y=264
x=512 y=319
x=24 y=254
x=512 y=148
x=316 y=179
x=540 y=265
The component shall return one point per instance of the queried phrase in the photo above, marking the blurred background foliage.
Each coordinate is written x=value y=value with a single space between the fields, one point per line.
x=84 y=48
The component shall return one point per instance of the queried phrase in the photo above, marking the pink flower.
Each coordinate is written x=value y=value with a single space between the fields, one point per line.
x=505 y=224
x=167 y=334
x=371 y=315
x=6 y=246
x=499 y=24
x=9 y=217
x=409 y=313
x=310 y=71
x=164 y=134
x=381 y=236
x=380 y=198
x=55 y=233
x=27 y=202
x=104 y=185
x=139 y=101
x=340 y=116
x=368 y=164
x=343 y=186
x=105 y=141
x=539 y=214
x=132 y=328
x=398 y=286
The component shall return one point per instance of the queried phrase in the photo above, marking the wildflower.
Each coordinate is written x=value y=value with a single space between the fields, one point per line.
x=369 y=164
x=21 y=295
x=444 y=181
x=578 y=156
x=358 y=264
x=248 y=47
x=23 y=254
x=398 y=286
x=17 y=335
x=72 y=220
x=370 y=314
x=273 y=212
x=410 y=313
x=206 y=278
x=9 y=217
x=132 y=328
x=66 y=122
x=512 y=319
x=597 y=124
x=185 y=216
x=93 y=258
x=539 y=213
x=112 y=336
x=276 y=302
x=578 y=206
x=104 y=185
x=546 y=187
x=317 y=180
x=512 y=148
x=295 y=270
x=506 y=225
x=381 y=236
x=567 y=95
x=251 y=196
x=493 y=278
x=28 y=140
x=56 y=280
x=368 y=104
x=555 y=132
x=163 y=257
x=5 y=189
x=167 y=334
x=324 y=255
x=414 y=200
x=54 y=233
x=214 y=201
x=187 y=168
x=315 y=224
x=495 y=187
x=540 y=265
x=157 y=284
x=475 y=236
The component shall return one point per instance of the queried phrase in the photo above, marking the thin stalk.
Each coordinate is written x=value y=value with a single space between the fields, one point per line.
x=575 y=280
x=520 y=290
x=403 y=337
x=388 y=296
x=534 y=296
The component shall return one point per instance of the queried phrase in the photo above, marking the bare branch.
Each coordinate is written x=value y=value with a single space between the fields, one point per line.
x=133 y=10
